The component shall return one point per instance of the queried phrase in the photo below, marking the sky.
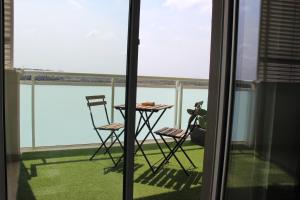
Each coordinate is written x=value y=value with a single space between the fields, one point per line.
x=90 y=36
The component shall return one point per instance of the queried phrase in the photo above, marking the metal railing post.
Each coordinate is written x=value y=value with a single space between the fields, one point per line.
x=33 y=110
x=180 y=104
x=112 y=103
x=176 y=104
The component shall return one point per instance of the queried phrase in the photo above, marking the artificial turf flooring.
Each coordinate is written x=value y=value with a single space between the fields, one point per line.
x=69 y=175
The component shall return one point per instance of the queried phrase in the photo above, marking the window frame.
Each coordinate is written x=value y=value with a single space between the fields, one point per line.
x=220 y=97
x=3 y=176
x=130 y=101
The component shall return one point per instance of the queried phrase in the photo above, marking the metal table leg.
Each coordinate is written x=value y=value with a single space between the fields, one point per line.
x=146 y=120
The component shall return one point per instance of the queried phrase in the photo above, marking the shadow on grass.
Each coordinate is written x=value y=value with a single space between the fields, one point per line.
x=44 y=155
x=119 y=168
x=89 y=152
x=24 y=189
x=190 y=194
x=167 y=178
x=33 y=167
x=171 y=179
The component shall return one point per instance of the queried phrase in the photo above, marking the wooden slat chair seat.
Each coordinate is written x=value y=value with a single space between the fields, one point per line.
x=112 y=127
x=171 y=132
x=179 y=136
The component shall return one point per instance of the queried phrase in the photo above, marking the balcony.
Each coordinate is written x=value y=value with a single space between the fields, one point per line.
x=57 y=137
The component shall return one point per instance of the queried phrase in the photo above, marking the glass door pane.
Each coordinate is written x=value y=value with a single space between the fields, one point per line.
x=68 y=72
x=263 y=160
x=174 y=55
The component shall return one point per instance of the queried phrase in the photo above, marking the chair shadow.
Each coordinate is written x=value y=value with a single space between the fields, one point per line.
x=120 y=167
x=171 y=179
x=190 y=194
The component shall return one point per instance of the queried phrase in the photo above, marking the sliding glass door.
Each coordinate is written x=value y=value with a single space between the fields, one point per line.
x=263 y=139
x=174 y=56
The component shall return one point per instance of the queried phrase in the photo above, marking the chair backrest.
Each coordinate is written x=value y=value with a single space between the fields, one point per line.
x=97 y=100
x=191 y=123
x=192 y=119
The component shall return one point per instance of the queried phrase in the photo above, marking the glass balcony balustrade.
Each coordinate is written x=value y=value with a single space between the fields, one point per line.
x=53 y=108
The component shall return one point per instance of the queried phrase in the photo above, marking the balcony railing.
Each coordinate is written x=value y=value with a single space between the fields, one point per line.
x=44 y=95
x=54 y=112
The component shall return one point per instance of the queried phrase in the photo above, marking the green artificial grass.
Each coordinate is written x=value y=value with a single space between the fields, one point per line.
x=68 y=174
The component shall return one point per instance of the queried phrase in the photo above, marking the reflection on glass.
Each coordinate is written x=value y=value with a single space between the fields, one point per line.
x=264 y=149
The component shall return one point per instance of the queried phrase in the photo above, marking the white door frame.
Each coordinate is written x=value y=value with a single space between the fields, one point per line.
x=220 y=96
x=3 y=178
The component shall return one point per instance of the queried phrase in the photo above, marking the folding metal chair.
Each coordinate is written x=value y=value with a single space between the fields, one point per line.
x=179 y=136
x=99 y=100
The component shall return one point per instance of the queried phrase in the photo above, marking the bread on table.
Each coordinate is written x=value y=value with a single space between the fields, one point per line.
x=148 y=103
